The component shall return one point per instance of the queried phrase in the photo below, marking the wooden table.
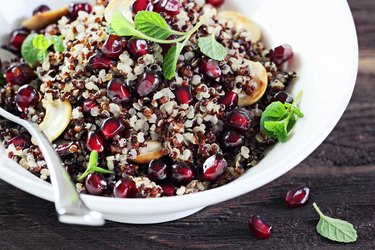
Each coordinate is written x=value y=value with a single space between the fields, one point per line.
x=340 y=173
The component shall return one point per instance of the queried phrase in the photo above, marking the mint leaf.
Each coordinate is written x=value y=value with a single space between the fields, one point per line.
x=40 y=42
x=171 y=59
x=28 y=51
x=110 y=30
x=153 y=24
x=335 y=229
x=212 y=48
x=58 y=43
x=42 y=55
x=122 y=26
x=92 y=167
x=279 y=119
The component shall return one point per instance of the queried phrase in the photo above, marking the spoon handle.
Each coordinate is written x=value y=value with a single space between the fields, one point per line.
x=69 y=206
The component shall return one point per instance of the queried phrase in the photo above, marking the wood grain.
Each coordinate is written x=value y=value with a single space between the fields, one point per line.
x=340 y=173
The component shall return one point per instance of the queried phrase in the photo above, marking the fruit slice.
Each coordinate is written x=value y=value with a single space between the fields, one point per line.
x=42 y=19
x=242 y=22
x=57 y=118
x=259 y=74
x=153 y=150
x=124 y=6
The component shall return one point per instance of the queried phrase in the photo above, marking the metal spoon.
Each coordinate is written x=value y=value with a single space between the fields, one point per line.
x=70 y=208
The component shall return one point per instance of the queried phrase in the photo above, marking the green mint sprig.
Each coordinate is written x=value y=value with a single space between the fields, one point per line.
x=335 y=229
x=152 y=26
x=279 y=118
x=35 y=47
x=92 y=167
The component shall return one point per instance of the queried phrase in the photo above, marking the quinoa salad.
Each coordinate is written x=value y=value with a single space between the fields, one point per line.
x=145 y=98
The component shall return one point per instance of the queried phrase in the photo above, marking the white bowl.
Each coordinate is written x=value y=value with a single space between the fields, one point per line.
x=321 y=32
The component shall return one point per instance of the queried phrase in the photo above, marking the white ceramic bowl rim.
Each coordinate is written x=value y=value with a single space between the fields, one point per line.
x=239 y=186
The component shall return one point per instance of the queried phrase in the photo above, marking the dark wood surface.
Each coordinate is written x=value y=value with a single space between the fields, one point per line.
x=340 y=173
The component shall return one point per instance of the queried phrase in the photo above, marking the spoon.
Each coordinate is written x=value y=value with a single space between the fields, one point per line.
x=69 y=206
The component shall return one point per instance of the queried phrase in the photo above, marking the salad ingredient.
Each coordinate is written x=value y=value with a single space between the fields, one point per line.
x=111 y=127
x=335 y=229
x=124 y=7
x=92 y=167
x=278 y=119
x=230 y=100
x=113 y=47
x=151 y=151
x=182 y=173
x=19 y=141
x=27 y=96
x=96 y=184
x=214 y=167
x=212 y=48
x=17 y=37
x=95 y=142
x=168 y=190
x=281 y=54
x=259 y=227
x=75 y=8
x=232 y=139
x=118 y=91
x=138 y=47
x=242 y=22
x=147 y=83
x=41 y=9
x=170 y=7
x=157 y=171
x=57 y=118
x=98 y=62
x=42 y=19
x=215 y=3
x=184 y=94
x=282 y=97
x=19 y=74
x=210 y=68
x=125 y=188
x=139 y=5
x=297 y=197
x=239 y=119
x=259 y=74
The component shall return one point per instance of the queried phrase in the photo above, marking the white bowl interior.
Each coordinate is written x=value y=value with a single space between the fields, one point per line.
x=326 y=61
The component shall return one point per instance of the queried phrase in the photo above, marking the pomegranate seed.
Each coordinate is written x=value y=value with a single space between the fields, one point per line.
x=214 y=167
x=157 y=171
x=63 y=150
x=96 y=184
x=94 y=141
x=184 y=94
x=19 y=74
x=27 y=97
x=125 y=188
x=138 y=48
x=281 y=54
x=168 y=190
x=148 y=83
x=297 y=197
x=165 y=47
x=41 y=9
x=139 y=5
x=113 y=47
x=98 y=62
x=18 y=142
x=75 y=8
x=215 y=3
x=182 y=173
x=210 y=68
x=239 y=119
x=232 y=139
x=283 y=97
x=117 y=91
x=258 y=227
x=88 y=105
x=111 y=127
x=17 y=37
x=230 y=100
x=170 y=7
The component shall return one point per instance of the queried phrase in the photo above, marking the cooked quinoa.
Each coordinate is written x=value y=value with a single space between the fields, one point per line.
x=189 y=132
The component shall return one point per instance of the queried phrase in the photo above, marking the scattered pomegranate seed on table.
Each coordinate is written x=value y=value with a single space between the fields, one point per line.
x=297 y=197
x=258 y=227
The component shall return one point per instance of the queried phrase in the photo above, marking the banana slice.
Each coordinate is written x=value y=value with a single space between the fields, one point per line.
x=259 y=74
x=242 y=22
x=124 y=6
x=153 y=150
x=57 y=118
x=41 y=20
